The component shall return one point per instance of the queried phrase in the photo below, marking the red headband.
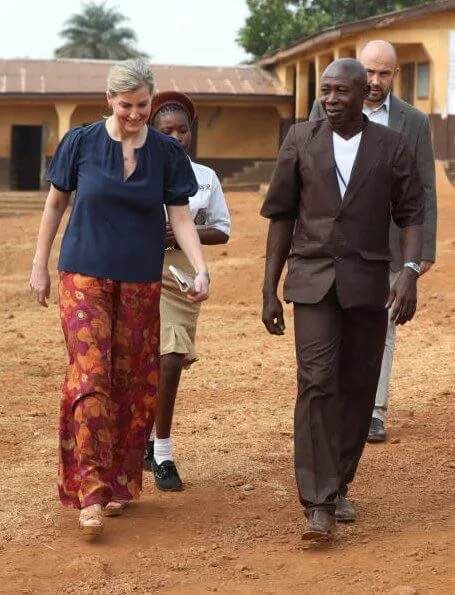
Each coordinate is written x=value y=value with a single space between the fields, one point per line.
x=175 y=98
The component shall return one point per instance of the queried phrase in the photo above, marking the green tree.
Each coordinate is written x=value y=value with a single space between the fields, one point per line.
x=276 y=23
x=98 y=33
x=353 y=10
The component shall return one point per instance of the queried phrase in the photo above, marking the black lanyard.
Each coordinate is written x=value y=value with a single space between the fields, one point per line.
x=340 y=174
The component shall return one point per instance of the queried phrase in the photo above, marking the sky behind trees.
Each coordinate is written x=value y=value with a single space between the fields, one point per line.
x=198 y=32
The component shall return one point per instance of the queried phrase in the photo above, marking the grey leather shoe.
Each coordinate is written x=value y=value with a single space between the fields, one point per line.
x=344 y=511
x=377 y=431
x=320 y=524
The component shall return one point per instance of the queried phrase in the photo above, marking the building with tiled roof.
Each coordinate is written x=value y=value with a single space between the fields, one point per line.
x=240 y=110
x=55 y=78
x=243 y=111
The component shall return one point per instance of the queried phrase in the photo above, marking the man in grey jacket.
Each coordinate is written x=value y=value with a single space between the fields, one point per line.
x=381 y=106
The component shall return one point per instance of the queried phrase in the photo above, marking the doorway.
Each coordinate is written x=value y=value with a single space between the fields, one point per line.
x=407 y=78
x=26 y=153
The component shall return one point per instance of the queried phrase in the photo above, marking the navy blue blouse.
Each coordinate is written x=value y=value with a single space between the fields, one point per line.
x=116 y=229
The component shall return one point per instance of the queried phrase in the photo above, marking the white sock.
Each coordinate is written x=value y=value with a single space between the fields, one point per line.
x=162 y=450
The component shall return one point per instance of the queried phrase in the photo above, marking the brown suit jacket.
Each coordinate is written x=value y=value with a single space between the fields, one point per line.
x=343 y=240
x=415 y=126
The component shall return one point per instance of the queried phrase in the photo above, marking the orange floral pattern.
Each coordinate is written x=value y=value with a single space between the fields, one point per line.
x=112 y=334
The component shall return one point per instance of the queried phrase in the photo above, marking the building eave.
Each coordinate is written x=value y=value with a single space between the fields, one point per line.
x=75 y=98
x=339 y=31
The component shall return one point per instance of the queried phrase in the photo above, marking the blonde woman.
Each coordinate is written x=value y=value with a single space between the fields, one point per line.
x=110 y=266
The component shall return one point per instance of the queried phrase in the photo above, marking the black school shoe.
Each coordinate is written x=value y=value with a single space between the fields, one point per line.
x=167 y=477
x=148 y=457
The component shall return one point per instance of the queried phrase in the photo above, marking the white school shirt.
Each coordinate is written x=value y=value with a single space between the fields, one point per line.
x=380 y=114
x=345 y=153
x=208 y=206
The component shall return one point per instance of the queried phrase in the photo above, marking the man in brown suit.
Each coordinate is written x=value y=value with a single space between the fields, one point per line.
x=335 y=187
x=381 y=106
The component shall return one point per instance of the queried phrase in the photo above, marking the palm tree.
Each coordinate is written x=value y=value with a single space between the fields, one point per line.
x=97 y=33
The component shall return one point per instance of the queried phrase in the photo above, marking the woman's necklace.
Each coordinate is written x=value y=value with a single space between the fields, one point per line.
x=128 y=152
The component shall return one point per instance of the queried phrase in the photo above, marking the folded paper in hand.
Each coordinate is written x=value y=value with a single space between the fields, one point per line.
x=185 y=281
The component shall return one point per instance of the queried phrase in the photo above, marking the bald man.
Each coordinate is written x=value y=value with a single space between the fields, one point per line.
x=335 y=187
x=381 y=106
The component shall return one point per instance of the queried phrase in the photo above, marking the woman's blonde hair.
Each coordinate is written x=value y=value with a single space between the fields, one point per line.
x=130 y=75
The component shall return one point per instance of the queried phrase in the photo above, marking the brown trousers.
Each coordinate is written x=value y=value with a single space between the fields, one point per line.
x=339 y=354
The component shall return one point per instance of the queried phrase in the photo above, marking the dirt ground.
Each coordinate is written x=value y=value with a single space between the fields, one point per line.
x=236 y=529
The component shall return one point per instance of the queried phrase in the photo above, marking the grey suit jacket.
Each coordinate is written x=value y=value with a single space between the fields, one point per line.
x=415 y=126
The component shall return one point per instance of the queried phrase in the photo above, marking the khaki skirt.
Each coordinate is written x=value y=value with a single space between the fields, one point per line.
x=178 y=315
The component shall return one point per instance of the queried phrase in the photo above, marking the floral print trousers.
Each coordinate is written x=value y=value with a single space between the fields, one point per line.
x=112 y=331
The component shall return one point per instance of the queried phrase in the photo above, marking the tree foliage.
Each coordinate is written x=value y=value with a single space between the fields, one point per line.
x=98 y=33
x=354 y=10
x=276 y=23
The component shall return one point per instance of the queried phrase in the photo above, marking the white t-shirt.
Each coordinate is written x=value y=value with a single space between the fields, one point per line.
x=208 y=206
x=345 y=153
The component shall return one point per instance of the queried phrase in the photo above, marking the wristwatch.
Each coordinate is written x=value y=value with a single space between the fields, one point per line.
x=412 y=265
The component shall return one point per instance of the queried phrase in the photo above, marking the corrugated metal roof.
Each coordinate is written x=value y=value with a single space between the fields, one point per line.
x=24 y=76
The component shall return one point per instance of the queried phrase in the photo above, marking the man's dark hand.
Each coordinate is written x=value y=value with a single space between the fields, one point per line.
x=403 y=297
x=272 y=314
x=425 y=266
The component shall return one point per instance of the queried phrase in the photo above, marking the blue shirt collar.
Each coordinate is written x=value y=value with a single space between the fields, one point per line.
x=385 y=105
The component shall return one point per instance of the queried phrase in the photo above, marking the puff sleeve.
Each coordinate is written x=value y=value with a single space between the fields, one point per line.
x=63 y=168
x=179 y=179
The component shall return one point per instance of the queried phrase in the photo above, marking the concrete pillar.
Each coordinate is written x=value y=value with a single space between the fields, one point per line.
x=290 y=74
x=438 y=52
x=321 y=61
x=284 y=110
x=301 y=91
x=64 y=113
